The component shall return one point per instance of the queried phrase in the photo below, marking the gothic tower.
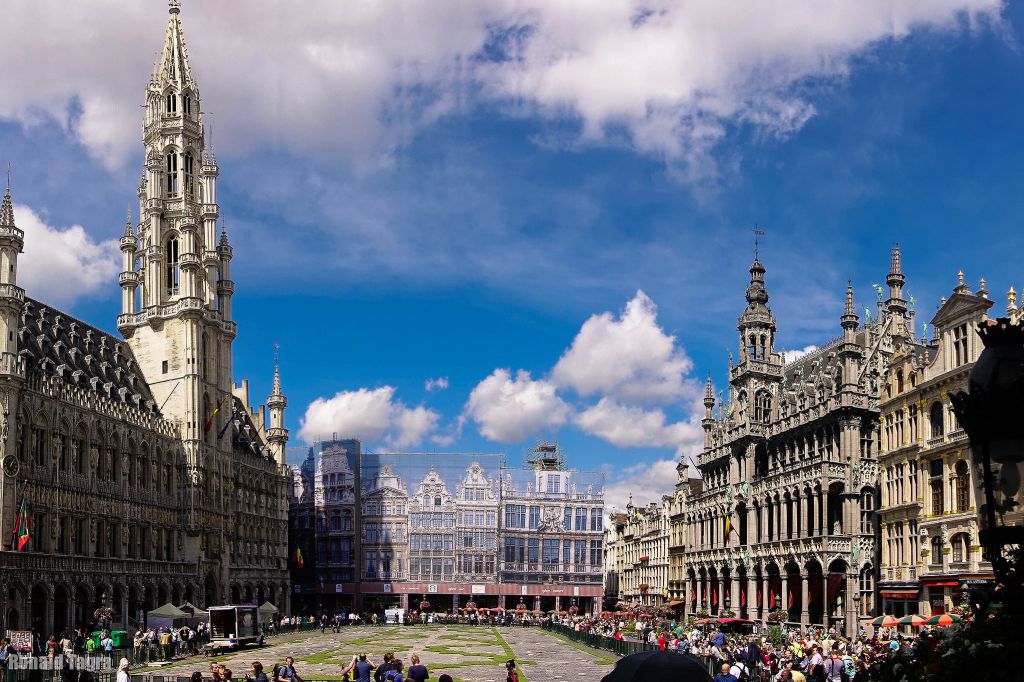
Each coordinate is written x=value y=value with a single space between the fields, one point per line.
x=12 y=368
x=176 y=286
x=277 y=434
x=759 y=367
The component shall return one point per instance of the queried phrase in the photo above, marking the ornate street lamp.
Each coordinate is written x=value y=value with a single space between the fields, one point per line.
x=992 y=413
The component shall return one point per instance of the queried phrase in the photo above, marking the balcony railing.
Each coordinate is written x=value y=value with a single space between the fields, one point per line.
x=68 y=564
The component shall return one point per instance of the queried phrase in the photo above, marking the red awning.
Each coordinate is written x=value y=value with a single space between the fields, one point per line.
x=905 y=594
x=941 y=583
x=728 y=621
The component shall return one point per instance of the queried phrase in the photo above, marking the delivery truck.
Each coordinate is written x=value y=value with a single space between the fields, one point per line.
x=233 y=626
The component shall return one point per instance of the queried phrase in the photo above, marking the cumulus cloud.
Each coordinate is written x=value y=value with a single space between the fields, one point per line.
x=509 y=410
x=794 y=355
x=628 y=357
x=667 y=78
x=631 y=426
x=368 y=414
x=60 y=265
x=438 y=384
x=645 y=482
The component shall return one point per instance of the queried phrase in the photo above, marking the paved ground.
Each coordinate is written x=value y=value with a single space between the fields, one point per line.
x=467 y=653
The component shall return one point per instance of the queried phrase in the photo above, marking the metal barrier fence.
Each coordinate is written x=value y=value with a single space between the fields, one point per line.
x=622 y=647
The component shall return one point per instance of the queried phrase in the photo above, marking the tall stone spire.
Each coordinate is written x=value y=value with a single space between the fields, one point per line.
x=849 y=320
x=173 y=68
x=12 y=297
x=709 y=404
x=7 y=208
x=896 y=305
x=277 y=434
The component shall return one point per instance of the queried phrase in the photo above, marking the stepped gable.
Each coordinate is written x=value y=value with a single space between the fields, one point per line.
x=54 y=343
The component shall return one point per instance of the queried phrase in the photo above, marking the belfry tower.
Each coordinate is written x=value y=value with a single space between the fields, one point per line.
x=176 y=286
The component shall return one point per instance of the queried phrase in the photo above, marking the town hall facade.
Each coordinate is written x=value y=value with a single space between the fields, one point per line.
x=145 y=473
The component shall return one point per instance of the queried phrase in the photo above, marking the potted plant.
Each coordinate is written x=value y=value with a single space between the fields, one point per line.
x=777 y=616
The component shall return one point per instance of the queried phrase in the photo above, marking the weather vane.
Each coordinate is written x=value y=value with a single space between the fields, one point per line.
x=758 y=233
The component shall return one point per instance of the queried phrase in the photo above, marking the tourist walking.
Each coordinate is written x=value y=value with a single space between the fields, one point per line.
x=417 y=671
x=363 y=669
x=256 y=673
x=384 y=668
x=510 y=669
x=286 y=672
x=122 y=671
x=395 y=674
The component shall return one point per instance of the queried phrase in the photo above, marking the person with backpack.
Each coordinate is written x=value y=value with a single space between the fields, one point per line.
x=834 y=667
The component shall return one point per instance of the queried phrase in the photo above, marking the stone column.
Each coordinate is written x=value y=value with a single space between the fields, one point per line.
x=558 y=603
x=405 y=602
x=455 y=603
x=805 y=617
x=734 y=593
x=48 y=614
x=536 y=603
x=699 y=586
x=752 y=605
x=784 y=605
x=124 y=608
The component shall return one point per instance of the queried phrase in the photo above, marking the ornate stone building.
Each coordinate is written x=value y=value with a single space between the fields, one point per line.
x=786 y=517
x=476 y=524
x=641 y=537
x=147 y=474
x=929 y=522
x=432 y=530
x=552 y=535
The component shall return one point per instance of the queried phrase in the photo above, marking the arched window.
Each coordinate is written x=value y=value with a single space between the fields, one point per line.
x=335 y=521
x=171 y=104
x=960 y=546
x=899 y=381
x=752 y=348
x=188 y=165
x=763 y=407
x=962 y=483
x=346 y=520
x=173 y=272
x=172 y=174
x=935 y=417
x=936 y=557
x=867 y=508
x=186 y=104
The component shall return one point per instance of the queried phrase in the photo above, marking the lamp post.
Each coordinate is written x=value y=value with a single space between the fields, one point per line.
x=992 y=413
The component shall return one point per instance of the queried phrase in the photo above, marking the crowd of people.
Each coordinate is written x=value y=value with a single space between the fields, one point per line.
x=783 y=655
x=362 y=668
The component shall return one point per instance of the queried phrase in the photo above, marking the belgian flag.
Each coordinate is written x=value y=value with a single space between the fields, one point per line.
x=728 y=526
x=22 y=537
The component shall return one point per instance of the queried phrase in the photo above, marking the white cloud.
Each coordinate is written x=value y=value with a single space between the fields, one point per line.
x=370 y=415
x=59 y=265
x=358 y=80
x=794 y=355
x=631 y=426
x=508 y=410
x=438 y=384
x=646 y=482
x=628 y=357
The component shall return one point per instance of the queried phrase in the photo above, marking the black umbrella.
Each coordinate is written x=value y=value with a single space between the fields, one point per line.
x=665 y=666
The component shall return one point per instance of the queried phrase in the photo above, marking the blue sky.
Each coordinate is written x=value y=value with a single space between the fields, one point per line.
x=416 y=194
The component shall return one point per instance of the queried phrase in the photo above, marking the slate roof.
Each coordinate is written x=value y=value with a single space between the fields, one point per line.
x=55 y=343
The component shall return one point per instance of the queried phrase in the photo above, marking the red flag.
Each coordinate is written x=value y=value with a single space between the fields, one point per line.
x=743 y=597
x=789 y=601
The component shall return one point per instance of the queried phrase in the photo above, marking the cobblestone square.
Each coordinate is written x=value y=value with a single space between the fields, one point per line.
x=467 y=653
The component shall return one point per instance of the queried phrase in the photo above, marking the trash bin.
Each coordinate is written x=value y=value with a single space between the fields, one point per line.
x=121 y=640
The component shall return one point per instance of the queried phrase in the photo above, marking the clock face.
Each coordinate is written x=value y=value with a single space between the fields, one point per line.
x=11 y=465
